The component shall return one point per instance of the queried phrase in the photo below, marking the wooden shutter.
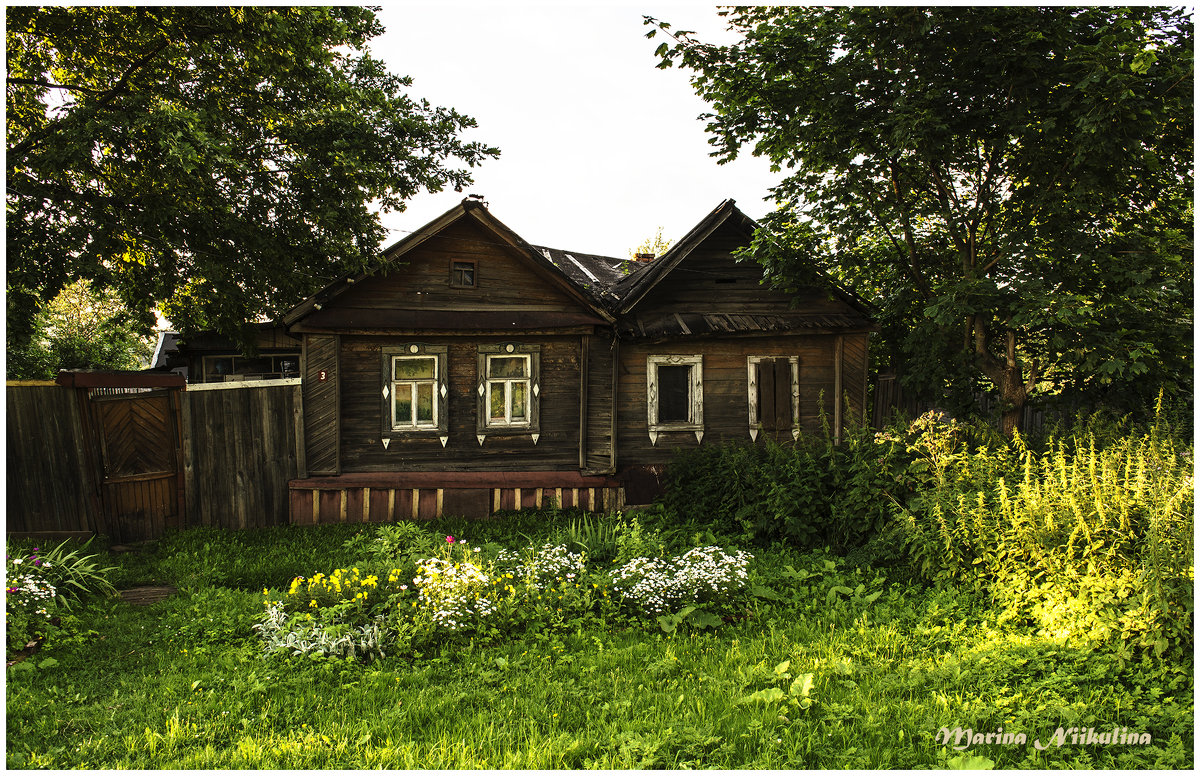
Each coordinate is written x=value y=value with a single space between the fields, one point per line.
x=775 y=394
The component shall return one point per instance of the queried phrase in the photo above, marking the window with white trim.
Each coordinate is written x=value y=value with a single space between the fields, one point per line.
x=509 y=389
x=773 y=384
x=674 y=395
x=414 y=389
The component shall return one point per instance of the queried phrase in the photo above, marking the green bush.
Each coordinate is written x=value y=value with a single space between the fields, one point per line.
x=1085 y=538
x=813 y=493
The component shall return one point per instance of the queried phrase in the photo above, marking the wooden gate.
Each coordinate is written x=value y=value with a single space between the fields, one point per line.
x=134 y=432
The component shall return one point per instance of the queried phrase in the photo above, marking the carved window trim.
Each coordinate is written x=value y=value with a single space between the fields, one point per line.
x=695 y=422
x=440 y=426
x=755 y=422
x=484 y=425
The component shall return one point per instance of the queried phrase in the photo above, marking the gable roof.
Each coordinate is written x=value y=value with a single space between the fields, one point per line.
x=541 y=259
x=611 y=287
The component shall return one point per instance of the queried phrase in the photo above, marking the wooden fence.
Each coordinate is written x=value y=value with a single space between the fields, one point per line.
x=131 y=464
x=890 y=397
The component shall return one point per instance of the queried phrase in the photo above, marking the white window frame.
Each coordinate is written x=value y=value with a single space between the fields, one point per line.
x=752 y=363
x=508 y=383
x=440 y=426
x=531 y=425
x=695 y=423
x=414 y=424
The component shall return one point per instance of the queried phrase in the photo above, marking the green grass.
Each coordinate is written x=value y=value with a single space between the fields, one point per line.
x=183 y=684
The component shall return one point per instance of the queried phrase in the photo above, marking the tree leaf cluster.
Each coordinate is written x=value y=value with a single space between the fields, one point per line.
x=223 y=161
x=1009 y=185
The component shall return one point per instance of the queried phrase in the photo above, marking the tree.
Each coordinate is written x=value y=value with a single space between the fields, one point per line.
x=80 y=328
x=226 y=162
x=1011 y=186
x=655 y=246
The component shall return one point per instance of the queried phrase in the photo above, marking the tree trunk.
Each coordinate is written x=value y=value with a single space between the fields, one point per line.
x=1006 y=374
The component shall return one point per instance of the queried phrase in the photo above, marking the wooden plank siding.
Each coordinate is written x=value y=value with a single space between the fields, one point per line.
x=50 y=486
x=726 y=390
x=599 y=452
x=557 y=446
x=242 y=447
x=420 y=281
x=709 y=280
x=321 y=419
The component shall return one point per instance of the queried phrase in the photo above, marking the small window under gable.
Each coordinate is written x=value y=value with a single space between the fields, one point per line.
x=414 y=392
x=462 y=274
x=773 y=384
x=674 y=395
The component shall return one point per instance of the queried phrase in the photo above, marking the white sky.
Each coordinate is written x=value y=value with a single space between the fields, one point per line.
x=598 y=147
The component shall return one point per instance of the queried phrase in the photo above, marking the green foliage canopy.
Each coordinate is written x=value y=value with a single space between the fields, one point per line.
x=80 y=328
x=1011 y=186
x=223 y=161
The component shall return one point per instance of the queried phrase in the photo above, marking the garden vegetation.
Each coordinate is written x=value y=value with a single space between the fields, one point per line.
x=815 y=605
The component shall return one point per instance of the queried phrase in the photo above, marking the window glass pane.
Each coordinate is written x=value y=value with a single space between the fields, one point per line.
x=404 y=406
x=424 y=402
x=496 y=400
x=289 y=365
x=220 y=366
x=415 y=368
x=507 y=367
x=674 y=390
x=463 y=274
x=518 y=401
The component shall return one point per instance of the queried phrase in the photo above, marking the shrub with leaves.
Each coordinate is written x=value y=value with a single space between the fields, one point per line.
x=41 y=584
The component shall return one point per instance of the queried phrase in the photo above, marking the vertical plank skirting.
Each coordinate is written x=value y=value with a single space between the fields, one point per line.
x=416 y=502
x=366 y=507
x=342 y=506
x=316 y=499
x=558 y=497
x=495 y=500
x=439 y=502
x=516 y=498
x=539 y=498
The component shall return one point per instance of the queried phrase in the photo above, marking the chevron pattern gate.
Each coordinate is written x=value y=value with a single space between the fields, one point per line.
x=140 y=477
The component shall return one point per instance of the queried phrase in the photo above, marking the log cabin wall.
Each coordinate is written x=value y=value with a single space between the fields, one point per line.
x=557 y=446
x=726 y=390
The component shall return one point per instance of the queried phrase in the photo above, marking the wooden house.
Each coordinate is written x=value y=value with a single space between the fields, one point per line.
x=208 y=357
x=475 y=372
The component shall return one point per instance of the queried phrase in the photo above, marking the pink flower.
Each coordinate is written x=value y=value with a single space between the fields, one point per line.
x=449 y=540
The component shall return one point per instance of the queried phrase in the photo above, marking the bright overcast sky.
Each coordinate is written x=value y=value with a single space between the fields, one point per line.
x=598 y=147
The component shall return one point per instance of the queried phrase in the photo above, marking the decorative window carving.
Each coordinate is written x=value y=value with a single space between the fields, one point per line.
x=509 y=390
x=773 y=384
x=674 y=395
x=415 y=391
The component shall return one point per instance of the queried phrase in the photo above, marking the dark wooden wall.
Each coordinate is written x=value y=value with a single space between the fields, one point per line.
x=49 y=475
x=599 y=453
x=709 y=280
x=420 y=280
x=726 y=390
x=241 y=448
x=557 y=448
x=320 y=358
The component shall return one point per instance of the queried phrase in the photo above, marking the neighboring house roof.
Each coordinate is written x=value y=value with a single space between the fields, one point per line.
x=168 y=344
x=595 y=275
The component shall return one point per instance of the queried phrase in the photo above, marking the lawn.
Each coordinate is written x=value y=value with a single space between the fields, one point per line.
x=816 y=661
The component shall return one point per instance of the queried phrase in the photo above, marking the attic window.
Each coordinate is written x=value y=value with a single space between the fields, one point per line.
x=462 y=274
